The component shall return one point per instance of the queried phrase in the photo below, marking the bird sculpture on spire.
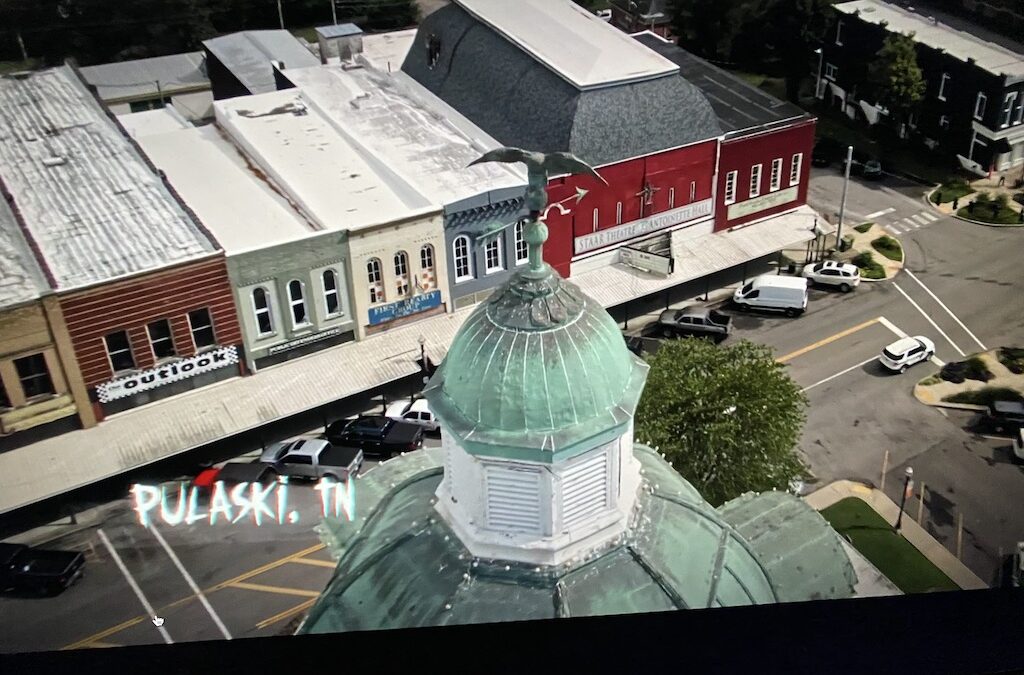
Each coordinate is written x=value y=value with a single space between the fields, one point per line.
x=538 y=167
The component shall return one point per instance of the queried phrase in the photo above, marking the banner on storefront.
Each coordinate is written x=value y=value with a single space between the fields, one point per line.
x=172 y=372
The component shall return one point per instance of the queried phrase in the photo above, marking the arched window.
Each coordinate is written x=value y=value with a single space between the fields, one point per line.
x=463 y=264
x=332 y=299
x=426 y=280
x=298 y=303
x=492 y=256
x=261 y=308
x=522 y=250
x=402 y=273
x=427 y=257
x=375 y=278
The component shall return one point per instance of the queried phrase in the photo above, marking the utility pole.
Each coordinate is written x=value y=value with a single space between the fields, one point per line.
x=334 y=12
x=842 y=205
x=908 y=486
x=280 y=14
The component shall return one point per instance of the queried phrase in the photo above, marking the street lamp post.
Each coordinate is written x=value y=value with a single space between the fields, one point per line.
x=817 y=83
x=908 y=485
x=423 y=363
x=842 y=204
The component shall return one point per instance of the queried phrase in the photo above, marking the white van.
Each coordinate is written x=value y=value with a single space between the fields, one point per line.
x=773 y=291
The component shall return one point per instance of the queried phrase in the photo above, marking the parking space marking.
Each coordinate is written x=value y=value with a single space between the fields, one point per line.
x=280 y=616
x=948 y=311
x=100 y=645
x=928 y=318
x=840 y=373
x=314 y=561
x=891 y=326
x=883 y=212
x=131 y=582
x=191 y=582
x=283 y=590
x=825 y=341
x=222 y=585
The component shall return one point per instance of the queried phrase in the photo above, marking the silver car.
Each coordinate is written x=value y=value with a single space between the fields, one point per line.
x=843 y=276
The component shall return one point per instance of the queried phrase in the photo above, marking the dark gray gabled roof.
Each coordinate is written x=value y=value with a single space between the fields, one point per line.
x=738 y=104
x=248 y=55
x=522 y=102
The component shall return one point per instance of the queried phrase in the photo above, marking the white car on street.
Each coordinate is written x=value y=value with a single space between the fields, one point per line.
x=907 y=351
x=843 y=276
x=415 y=412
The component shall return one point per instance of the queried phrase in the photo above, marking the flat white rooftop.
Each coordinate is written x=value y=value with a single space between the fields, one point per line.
x=993 y=57
x=89 y=201
x=418 y=141
x=335 y=182
x=387 y=51
x=571 y=41
x=149 y=122
x=124 y=80
x=231 y=197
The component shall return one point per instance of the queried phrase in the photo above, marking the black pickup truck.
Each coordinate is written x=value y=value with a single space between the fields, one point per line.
x=42 y=572
x=376 y=435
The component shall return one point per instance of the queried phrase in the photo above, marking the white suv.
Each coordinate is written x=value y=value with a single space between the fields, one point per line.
x=832 y=273
x=907 y=351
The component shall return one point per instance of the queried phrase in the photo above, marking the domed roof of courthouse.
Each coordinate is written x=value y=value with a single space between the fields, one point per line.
x=401 y=566
x=535 y=371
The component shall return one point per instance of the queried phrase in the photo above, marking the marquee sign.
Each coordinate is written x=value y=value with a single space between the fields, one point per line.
x=642 y=226
x=305 y=340
x=407 y=307
x=778 y=198
x=173 y=372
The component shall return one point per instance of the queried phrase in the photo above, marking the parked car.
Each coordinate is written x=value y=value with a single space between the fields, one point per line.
x=376 y=435
x=907 y=351
x=843 y=276
x=42 y=572
x=234 y=473
x=695 y=321
x=640 y=345
x=1018 y=444
x=826 y=151
x=1005 y=416
x=313 y=459
x=604 y=14
x=773 y=292
x=872 y=169
x=414 y=412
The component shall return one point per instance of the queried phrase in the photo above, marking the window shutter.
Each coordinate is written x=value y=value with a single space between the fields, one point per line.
x=584 y=489
x=513 y=499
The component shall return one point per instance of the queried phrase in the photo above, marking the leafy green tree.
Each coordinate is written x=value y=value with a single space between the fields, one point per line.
x=895 y=77
x=727 y=418
x=707 y=28
x=792 y=30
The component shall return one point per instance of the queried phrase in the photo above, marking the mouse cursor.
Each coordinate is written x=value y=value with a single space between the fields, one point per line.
x=158 y=621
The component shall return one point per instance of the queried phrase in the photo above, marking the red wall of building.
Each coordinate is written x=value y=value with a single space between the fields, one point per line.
x=743 y=153
x=673 y=169
x=133 y=303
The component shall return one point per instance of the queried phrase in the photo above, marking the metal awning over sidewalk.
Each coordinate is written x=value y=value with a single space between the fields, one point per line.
x=697 y=257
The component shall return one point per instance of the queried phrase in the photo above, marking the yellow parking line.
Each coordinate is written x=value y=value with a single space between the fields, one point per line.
x=301 y=607
x=314 y=561
x=224 y=584
x=821 y=343
x=100 y=645
x=276 y=589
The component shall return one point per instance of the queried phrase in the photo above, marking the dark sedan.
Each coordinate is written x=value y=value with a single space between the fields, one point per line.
x=697 y=322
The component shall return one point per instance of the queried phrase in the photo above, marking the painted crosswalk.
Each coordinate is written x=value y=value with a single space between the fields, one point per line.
x=911 y=223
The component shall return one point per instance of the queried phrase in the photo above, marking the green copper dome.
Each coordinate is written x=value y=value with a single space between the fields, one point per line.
x=401 y=566
x=538 y=371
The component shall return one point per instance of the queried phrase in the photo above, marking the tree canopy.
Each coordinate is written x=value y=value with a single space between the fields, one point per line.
x=895 y=75
x=727 y=418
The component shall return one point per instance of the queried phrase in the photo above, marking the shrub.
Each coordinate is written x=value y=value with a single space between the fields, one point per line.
x=950 y=190
x=1019 y=198
x=1002 y=200
x=930 y=380
x=953 y=372
x=863 y=227
x=1013 y=359
x=984 y=396
x=983 y=198
x=888 y=247
x=975 y=369
x=869 y=267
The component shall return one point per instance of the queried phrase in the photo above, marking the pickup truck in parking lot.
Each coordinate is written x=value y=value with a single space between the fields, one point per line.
x=42 y=572
x=376 y=435
x=696 y=322
x=313 y=459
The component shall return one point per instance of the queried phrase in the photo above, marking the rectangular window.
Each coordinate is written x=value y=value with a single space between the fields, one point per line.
x=794 y=168
x=261 y=309
x=492 y=256
x=944 y=122
x=693 y=190
x=34 y=376
x=618 y=213
x=671 y=197
x=1008 y=102
x=160 y=339
x=942 y=86
x=831 y=71
x=5 y=401
x=730 y=187
x=1020 y=109
x=201 y=325
x=979 y=106
x=522 y=249
x=839 y=33
x=776 y=179
x=120 y=351
x=755 y=180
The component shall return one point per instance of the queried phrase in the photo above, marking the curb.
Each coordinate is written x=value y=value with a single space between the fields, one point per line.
x=44 y=534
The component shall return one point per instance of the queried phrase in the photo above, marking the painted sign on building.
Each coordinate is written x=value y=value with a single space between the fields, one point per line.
x=642 y=226
x=407 y=307
x=763 y=202
x=172 y=372
x=644 y=260
x=305 y=340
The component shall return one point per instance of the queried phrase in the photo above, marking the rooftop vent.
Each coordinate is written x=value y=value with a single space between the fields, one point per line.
x=54 y=161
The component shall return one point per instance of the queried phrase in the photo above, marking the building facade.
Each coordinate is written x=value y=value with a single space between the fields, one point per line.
x=974 y=102
x=632 y=16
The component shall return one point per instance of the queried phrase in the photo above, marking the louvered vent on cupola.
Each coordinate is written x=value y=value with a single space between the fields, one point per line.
x=513 y=499
x=584 y=489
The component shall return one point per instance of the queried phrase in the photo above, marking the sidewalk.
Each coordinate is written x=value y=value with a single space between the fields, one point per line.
x=912 y=532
